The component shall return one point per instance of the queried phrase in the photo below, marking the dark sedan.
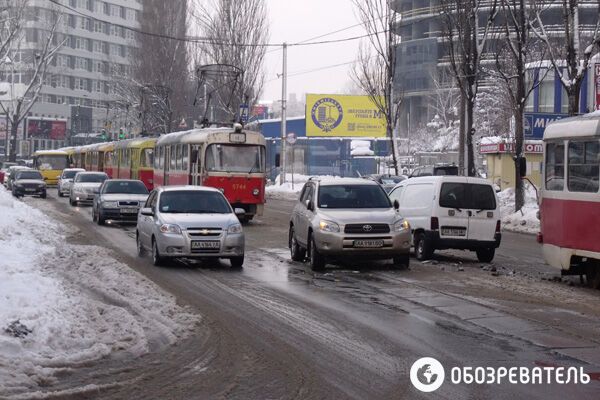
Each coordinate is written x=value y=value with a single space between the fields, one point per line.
x=28 y=182
x=388 y=182
x=119 y=200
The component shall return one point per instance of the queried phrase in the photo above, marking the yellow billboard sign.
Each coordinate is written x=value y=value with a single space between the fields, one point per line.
x=332 y=115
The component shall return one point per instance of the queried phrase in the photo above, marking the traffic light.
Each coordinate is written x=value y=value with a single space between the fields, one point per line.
x=121 y=134
x=103 y=136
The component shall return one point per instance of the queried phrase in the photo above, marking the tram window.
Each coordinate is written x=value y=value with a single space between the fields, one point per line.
x=184 y=158
x=147 y=160
x=173 y=158
x=555 y=166
x=584 y=166
x=178 y=158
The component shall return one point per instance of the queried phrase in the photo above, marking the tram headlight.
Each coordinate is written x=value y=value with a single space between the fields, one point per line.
x=256 y=192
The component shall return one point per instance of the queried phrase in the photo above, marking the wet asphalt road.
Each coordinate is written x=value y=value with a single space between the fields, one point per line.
x=276 y=330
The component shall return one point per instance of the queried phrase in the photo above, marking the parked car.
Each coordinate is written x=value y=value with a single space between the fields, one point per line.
x=4 y=170
x=450 y=212
x=190 y=222
x=340 y=218
x=388 y=182
x=435 y=170
x=85 y=186
x=119 y=200
x=65 y=180
x=12 y=171
x=28 y=182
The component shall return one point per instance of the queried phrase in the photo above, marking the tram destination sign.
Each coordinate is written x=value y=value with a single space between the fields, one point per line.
x=237 y=137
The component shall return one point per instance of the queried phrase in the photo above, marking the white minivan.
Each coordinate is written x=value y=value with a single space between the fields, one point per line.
x=450 y=212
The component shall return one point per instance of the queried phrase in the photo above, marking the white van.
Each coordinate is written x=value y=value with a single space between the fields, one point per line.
x=450 y=212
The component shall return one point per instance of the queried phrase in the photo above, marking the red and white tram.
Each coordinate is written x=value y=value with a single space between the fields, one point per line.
x=232 y=160
x=570 y=197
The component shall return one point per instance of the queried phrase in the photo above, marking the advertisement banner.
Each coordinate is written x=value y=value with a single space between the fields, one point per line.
x=597 y=84
x=330 y=115
x=46 y=129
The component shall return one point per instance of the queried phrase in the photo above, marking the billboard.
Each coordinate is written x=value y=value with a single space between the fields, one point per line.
x=536 y=123
x=46 y=129
x=331 y=115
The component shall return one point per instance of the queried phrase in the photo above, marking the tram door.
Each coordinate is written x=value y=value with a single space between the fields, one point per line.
x=196 y=165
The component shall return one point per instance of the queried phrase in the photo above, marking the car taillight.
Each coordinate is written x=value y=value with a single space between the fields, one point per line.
x=498 y=226
x=435 y=224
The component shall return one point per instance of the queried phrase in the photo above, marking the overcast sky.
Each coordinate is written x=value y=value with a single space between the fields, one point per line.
x=294 y=21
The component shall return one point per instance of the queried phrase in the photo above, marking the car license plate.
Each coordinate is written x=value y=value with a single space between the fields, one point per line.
x=365 y=244
x=129 y=210
x=454 y=231
x=30 y=190
x=206 y=244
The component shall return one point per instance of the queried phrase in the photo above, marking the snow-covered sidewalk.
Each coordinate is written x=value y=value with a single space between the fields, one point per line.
x=64 y=305
x=289 y=191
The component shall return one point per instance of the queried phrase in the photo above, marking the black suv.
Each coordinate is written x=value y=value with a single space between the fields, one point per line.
x=28 y=182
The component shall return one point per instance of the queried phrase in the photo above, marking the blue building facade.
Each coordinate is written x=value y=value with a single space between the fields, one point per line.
x=319 y=156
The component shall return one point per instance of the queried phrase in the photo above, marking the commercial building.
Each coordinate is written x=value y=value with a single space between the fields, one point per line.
x=423 y=56
x=78 y=95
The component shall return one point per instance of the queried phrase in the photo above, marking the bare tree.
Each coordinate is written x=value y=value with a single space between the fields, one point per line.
x=516 y=48
x=160 y=83
x=31 y=63
x=467 y=41
x=375 y=67
x=572 y=60
x=444 y=98
x=235 y=32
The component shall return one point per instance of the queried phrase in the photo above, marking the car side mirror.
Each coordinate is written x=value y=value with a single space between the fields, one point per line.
x=396 y=204
x=239 y=211
x=309 y=205
x=147 y=212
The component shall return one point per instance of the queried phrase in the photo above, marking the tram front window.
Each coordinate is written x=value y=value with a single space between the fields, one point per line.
x=235 y=158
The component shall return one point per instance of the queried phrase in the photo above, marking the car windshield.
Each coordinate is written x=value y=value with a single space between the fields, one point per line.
x=90 y=178
x=28 y=175
x=193 y=202
x=235 y=158
x=127 y=187
x=353 y=196
x=391 y=180
x=69 y=174
x=51 y=162
x=467 y=195
x=453 y=170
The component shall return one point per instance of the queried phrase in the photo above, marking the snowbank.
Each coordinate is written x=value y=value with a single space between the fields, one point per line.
x=526 y=220
x=286 y=191
x=74 y=304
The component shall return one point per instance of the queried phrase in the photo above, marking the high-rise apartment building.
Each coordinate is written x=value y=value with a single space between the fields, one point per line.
x=79 y=94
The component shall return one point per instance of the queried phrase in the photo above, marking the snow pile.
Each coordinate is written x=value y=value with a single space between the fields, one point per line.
x=63 y=305
x=287 y=191
x=361 y=148
x=524 y=221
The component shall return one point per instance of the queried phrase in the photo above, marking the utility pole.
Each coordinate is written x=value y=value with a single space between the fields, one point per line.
x=283 y=114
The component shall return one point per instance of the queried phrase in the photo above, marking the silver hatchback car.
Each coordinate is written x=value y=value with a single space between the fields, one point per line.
x=343 y=218
x=190 y=222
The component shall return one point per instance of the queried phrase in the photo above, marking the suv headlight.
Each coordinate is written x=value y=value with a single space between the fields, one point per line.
x=110 y=204
x=401 y=225
x=329 y=226
x=235 y=228
x=170 y=228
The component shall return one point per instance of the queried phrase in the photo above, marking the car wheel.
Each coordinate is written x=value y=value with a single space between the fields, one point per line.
x=59 y=193
x=316 y=259
x=14 y=194
x=297 y=253
x=99 y=218
x=237 y=262
x=485 y=255
x=72 y=202
x=157 y=260
x=141 y=252
x=592 y=275
x=423 y=248
x=43 y=196
x=402 y=262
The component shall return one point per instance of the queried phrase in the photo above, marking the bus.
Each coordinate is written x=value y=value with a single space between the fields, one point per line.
x=51 y=163
x=570 y=197
x=232 y=160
